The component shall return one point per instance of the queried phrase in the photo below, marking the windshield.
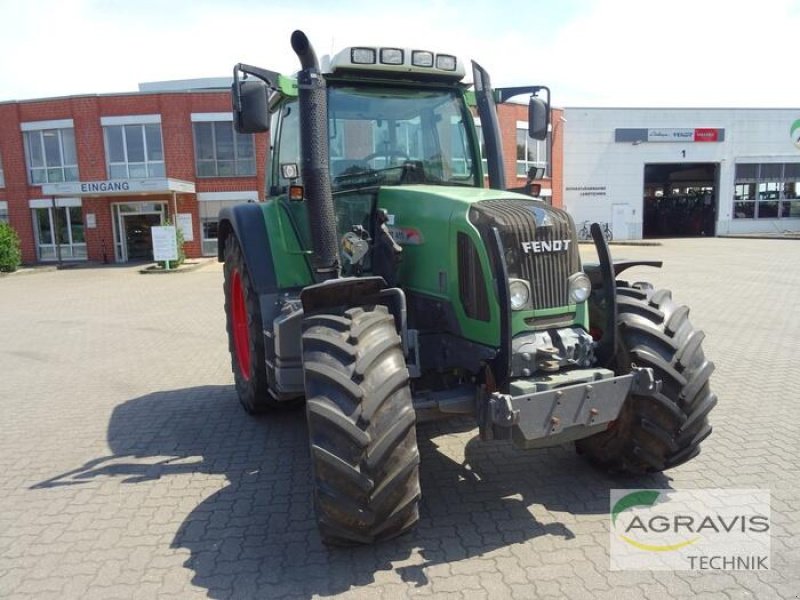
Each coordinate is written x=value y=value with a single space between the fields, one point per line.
x=394 y=135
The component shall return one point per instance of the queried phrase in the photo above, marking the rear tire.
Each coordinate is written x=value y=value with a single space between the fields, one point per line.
x=361 y=426
x=654 y=433
x=245 y=332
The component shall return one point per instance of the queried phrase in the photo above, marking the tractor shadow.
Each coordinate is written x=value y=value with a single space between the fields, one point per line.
x=256 y=537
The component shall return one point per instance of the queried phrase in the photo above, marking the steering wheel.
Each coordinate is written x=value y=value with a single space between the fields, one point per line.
x=386 y=154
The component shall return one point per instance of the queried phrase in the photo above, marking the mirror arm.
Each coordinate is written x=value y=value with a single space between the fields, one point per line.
x=503 y=94
x=268 y=77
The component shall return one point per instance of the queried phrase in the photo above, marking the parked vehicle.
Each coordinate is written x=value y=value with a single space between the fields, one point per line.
x=385 y=284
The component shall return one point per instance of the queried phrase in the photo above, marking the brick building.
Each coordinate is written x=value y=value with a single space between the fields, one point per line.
x=521 y=152
x=85 y=177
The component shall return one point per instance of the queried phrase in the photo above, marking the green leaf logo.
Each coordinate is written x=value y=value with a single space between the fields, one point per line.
x=648 y=498
x=795 y=133
x=641 y=498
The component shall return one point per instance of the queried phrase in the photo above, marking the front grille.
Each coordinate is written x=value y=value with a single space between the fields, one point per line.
x=542 y=229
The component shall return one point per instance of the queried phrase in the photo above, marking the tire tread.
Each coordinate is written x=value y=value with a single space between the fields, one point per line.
x=361 y=421
x=658 y=432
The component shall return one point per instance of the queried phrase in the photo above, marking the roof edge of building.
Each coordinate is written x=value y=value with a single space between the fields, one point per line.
x=141 y=92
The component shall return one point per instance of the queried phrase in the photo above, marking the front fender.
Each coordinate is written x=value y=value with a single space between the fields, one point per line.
x=246 y=222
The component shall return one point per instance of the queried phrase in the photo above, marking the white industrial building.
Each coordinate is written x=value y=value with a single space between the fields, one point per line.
x=651 y=172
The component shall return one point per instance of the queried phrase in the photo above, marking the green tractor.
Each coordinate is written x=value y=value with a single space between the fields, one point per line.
x=384 y=285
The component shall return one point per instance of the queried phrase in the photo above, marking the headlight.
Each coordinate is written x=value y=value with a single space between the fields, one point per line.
x=362 y=56
x=421 y=58
x=519 y=292
x=579 y=287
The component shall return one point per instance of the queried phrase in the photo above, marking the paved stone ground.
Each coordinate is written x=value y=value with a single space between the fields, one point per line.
x=127 y=469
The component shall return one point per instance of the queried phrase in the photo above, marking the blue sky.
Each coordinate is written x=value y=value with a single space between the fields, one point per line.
x=591 y=53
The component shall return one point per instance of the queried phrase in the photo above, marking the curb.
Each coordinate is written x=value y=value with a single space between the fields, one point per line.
x=183 y=268
x=624 y=243
x=789 y=236
x=28 y=271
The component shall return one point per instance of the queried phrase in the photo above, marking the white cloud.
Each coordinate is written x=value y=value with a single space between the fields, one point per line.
x=682 y=53
x=617 y=52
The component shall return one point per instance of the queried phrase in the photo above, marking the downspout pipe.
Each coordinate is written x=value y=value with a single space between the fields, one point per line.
x=313 y=105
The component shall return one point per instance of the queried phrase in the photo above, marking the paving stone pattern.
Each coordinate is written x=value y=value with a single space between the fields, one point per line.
x=128 y=470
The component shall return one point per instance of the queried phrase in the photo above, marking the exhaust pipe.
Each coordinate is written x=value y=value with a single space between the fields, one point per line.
x=313 y=103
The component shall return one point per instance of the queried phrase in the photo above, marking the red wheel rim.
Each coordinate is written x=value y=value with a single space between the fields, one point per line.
x=241 y=335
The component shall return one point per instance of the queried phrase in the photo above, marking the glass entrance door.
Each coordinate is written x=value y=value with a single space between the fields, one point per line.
x=133 y=239
x=138 y=238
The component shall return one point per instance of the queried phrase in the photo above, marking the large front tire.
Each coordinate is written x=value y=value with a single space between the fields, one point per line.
x=653 y=433
x=245 y=332
x=361 y=426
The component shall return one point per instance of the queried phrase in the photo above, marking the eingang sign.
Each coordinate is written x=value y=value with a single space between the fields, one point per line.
x=105 y=186
x=119 y=187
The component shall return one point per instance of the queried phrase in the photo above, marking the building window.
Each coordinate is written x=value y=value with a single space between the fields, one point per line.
x=484 y=162
x=222 y=152
x=210 y=204
x=59 y=229
x=134 y=151
x=3 y=211
x=50 y=155
x=767 y=191
x=530 y=152
x=288 y=144
x=2 y=177
x=461 y=159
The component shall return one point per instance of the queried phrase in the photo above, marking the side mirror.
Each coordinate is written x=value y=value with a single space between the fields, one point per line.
x=538 y=118
x=250 y=106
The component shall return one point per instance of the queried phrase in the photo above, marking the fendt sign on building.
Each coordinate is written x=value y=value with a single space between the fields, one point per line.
x=670 y=134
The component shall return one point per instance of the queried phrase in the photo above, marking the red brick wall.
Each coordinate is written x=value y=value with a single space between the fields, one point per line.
x=16 y=179
x=175 y=109
x=100 y=240
x=557 y=181
x=86 y=111
x=89 y=143
x=509 y=114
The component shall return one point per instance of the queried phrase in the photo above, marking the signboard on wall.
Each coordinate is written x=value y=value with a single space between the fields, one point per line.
x=670 y=134
x=587 y=190
x=165 y=242
x=184 y=221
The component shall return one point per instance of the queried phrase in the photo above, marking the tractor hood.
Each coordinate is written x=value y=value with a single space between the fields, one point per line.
x=448 y=194
x=425 y=220
x=428 y=210
x=454 y=239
